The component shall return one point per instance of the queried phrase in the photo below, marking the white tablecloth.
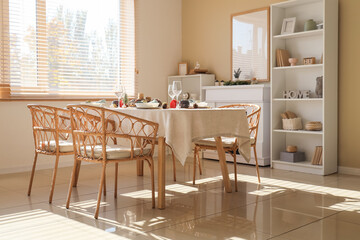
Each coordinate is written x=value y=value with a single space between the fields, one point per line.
x=181 y=127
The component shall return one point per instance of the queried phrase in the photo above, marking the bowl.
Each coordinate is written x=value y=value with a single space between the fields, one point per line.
x=202 y=104
x=293 y=61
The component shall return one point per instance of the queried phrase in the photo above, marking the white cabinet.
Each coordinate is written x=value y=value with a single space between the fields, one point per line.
x=193 y=84
x=316 y=43
x=256 y=94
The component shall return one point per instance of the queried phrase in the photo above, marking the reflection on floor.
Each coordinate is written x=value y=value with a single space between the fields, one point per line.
x=286 y=205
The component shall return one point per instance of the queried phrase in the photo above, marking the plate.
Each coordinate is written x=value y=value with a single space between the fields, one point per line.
x=95 y=104
x=202 y=105
x=147 y=105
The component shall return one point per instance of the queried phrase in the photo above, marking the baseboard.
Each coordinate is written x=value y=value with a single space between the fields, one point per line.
x=39 y=166
x=349 y=171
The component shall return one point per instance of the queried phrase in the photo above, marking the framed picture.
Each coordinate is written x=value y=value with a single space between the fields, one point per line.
x=183 y=69
x=288 y=25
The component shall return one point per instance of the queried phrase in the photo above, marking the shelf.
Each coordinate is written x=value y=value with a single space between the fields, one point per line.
x=298 y=131
x=294 y=3
x=299 y=67
x=300 y=164
x=297 y=100
x=300 y=34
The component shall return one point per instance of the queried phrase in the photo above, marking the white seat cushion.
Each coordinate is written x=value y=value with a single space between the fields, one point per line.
x=114 y=151
x=227 y=141
x=64 y=146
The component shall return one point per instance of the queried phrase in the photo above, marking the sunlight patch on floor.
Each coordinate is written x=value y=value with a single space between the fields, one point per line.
x=142 y=194
x=180 y=188
x=23 y=225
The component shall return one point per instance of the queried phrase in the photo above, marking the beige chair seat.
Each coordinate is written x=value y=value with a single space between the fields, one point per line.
x=114 y=151
x=227 y=141
x=64 y=146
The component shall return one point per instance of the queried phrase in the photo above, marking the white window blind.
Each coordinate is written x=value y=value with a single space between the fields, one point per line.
x=67 y=47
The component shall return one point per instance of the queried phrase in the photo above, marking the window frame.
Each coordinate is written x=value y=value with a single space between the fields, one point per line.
x=42 y=58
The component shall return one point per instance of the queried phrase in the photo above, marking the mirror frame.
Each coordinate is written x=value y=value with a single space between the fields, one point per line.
x=267 y=9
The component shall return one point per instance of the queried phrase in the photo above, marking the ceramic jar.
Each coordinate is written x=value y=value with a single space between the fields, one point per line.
x=310 y=25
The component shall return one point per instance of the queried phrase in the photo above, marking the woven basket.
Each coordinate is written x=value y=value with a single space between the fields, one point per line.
x=292 y=124
x=313 y=126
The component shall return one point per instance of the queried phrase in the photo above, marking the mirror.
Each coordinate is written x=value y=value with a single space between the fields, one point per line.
x=250 y=45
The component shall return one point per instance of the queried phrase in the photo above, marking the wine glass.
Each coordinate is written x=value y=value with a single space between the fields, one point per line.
x=177 y=89
x=119 y=92
x=171 y=92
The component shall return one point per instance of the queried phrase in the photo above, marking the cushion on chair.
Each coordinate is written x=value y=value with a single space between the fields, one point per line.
x=114 y=151
x=227 y=141
x=64 y=146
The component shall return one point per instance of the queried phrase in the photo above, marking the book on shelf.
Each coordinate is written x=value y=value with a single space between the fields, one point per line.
x=282 y=58
x=318 y=156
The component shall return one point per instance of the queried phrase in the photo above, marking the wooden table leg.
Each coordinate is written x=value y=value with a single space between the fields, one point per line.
x=161 y=173
x=140 y=167
x=222 y=161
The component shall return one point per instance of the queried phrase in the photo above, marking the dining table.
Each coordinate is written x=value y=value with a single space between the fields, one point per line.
x=179 y=128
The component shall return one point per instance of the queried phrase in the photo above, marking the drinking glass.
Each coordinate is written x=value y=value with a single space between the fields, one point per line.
x=171 y=92
x=119 y=92
x=177 y=89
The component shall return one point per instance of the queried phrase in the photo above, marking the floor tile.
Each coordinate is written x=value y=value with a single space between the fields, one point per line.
x=286 y=205
x=326 y=229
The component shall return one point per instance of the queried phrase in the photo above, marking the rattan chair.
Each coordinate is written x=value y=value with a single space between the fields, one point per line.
x=52 y=136
x=230 y=144
x=91 y=142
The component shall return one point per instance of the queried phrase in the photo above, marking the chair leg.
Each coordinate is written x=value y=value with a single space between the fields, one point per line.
x=235 y=171
x=102 y=184
x=78 y=165
x=174 y=164
x=194 y=168
x=116 y=179
x=200 y=168
x=54 y=178
x=32 y=174
x=105 y=184
x=257 y=165
x=73 y=175
x=152 y=182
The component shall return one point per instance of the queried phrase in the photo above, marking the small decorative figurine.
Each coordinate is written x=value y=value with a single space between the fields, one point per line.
x=197 y=66
x=319 y=87
x=173 y=104
x=184 y=104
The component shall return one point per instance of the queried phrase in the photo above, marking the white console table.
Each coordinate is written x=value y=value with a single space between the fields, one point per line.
x=257 y=94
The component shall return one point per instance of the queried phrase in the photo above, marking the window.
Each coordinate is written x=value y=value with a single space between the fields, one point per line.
x=59 y=48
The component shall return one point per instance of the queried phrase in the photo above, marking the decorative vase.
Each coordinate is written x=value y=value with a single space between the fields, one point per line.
x=310 y=25
x=293 y=61
x=319 y=87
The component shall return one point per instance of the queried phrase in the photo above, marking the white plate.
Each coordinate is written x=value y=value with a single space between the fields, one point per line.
x=147 y=105
x=202 y=105
x=95 y=104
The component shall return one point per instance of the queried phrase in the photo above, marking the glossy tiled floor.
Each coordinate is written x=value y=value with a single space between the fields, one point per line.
x=286 y=205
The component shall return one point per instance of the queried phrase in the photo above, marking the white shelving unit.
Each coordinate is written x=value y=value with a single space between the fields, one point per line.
x=194 y=84
x=316 y=43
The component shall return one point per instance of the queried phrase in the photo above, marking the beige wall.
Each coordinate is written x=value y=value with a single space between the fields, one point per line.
x=206 y=38
x=159 y=50
x=158 y=44
x=349 y=83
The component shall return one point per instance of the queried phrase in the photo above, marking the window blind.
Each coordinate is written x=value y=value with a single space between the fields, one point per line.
x=67 y=47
